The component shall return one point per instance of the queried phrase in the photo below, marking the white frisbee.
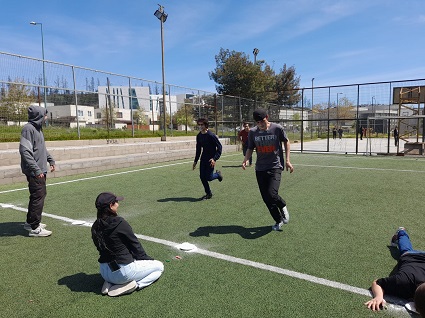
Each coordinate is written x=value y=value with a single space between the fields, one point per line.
x=411 y=307
x=187 y=247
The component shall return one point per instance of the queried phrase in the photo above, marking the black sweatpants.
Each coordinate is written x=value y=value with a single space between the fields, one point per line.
x=37 y=188
x=269 y=183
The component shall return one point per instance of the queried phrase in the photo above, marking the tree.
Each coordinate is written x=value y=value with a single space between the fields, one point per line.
x=184 y=115
x=15 y=100
x=286 y=87
x=236 y=75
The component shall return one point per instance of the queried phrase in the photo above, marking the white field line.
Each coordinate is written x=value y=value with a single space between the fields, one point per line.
x=306 y=277
x=228 y=258
x=236 y=260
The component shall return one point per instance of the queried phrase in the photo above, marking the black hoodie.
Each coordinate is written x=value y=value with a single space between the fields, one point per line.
x=34 y=155
x=121 y=243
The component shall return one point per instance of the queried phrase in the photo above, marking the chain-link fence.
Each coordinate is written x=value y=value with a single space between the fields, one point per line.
x=87 y=102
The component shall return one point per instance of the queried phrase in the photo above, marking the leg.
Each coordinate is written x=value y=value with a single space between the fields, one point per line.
x=146 y=272
x=404 y=244
x=37 y=189
x=205 y=172
x=268 y=183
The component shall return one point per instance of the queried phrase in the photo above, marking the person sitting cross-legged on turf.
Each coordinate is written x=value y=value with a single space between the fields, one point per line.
x=210 y=146
x=124 y=264
x=408 y=282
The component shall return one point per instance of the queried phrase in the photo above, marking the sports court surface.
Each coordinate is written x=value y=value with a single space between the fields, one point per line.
x=343 y=211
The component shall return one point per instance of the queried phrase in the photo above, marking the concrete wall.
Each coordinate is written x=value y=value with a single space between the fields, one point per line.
x=86 y=156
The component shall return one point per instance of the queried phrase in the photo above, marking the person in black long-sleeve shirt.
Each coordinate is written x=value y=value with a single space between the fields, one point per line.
x=124 y=264
x=210 y=146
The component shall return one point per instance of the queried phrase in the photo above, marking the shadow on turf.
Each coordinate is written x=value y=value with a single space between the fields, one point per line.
x=247 y=233
x=83 y=283
x=13 y=229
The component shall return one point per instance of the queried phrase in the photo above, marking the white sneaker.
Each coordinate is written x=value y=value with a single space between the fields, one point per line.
x=105 y=287
x=27 y=226
x=118 y=290
x=40 y=232
x=277 y=226
x=285 y=215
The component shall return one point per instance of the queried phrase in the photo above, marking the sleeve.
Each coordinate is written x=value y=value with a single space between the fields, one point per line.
x=50 y=159
x=27 y=153
x=389 y=284
x=251 y=144
x=132 y=242
x=198 y=149
x=218 y=147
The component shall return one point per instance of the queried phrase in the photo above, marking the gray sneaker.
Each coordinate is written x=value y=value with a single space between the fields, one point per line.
x=27 y=226
x=285 y=215
x=40 y=232
x=105 y=288
x=220 y=176
x=277 y=226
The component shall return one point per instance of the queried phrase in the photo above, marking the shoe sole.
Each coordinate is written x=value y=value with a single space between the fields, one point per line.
x=29 y=228
x=118 y=290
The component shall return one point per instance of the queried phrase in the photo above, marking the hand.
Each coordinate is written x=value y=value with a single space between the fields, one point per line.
x=52 y=168
x=212 y=162
x=40 y=176
x=376 y=304
x=244 y=164
x=194 y=166
x=289 y=167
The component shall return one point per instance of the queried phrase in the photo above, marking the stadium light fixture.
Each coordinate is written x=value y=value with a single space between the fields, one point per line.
x=42 y=54
x=255 y=52
x=162 y=16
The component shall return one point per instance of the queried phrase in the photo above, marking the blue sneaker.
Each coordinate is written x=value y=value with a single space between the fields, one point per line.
x=394 y=238
x=220 y=177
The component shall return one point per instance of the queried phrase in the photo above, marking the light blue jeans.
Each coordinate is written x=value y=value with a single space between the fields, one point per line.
x=144 y=272
x=404 y=244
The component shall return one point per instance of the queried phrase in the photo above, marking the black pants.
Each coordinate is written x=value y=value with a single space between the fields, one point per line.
x=269 y=183
x=37 y=188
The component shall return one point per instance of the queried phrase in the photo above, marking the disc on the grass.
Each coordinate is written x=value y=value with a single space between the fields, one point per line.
x=187 y=247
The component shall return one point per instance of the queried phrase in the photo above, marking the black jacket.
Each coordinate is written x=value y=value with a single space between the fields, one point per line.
x=118 y=237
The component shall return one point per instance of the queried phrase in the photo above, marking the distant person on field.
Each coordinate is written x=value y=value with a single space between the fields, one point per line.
x=408 y=281
x=208 y=144
x=267 y=139
x=34 y=159
x=334 y=133
x=396 y=136
x=243 y=138
x=340 y=131
x=124 y=264
x=361 y=132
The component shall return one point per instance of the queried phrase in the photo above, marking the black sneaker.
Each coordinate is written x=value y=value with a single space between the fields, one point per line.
x=220 y=177
x=206 y=197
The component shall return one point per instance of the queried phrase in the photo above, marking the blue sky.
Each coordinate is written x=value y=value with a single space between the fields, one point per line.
x=333 y=41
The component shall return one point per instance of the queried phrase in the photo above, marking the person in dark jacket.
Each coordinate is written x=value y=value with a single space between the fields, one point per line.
x=408 y=281
x=124 y=264
x=210 y=146
x=34 y=159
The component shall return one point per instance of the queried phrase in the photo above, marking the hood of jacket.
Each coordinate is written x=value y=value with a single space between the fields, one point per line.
x=36 y=115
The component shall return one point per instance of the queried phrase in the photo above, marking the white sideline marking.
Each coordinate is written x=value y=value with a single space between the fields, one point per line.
x=228 y=258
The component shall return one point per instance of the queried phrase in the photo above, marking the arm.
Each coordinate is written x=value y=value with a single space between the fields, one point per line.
x=287 y=146
x=218 y=150
x=377 y=302
x=27 y=154
x=246 y=159
x=132 y=243
x=198 y=152
x=51 y=162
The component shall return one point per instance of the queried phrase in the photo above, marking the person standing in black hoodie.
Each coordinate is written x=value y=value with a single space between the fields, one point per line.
x=34 y=159
x=124 y=264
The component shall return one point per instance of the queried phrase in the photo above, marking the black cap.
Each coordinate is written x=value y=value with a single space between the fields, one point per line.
x=259 y=114
x=106 y=198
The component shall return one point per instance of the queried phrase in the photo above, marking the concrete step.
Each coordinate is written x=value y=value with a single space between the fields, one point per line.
x=99 y=158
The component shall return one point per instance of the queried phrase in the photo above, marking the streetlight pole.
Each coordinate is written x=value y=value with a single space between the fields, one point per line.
x=42 y=54
x=162 y=16
x=311 y=126
x=337 y=108
x=373 y=113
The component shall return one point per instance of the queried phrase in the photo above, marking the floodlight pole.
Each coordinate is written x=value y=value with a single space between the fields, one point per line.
x=162 y=16
x=311 y=128
x=337 y=108
x=42 y=55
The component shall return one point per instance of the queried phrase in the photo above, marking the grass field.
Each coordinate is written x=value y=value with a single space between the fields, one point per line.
x=343 y=212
